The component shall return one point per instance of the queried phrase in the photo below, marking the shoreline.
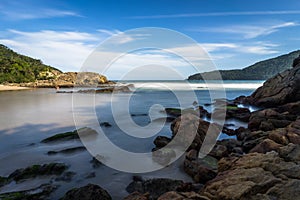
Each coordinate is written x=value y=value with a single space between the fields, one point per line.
x=12 y=88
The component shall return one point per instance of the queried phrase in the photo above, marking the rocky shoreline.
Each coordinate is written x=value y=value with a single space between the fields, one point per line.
x=263 y=162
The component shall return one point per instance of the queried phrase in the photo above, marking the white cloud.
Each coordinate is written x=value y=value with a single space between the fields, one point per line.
x=36 y=14
x=218 y=14
x=68 y=51
x=249 y=31
x=62 y=49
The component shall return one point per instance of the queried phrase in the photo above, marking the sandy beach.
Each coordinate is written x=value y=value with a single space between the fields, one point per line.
x=10 y=88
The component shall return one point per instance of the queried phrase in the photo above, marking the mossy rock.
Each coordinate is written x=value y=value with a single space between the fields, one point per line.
x=62 y=136
x=231 y=107
x=39 y=193
x=69 y=135
x=38 y=170
x=68 y=151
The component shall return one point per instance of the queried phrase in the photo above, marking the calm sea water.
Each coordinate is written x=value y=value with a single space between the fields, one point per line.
x=29 y=116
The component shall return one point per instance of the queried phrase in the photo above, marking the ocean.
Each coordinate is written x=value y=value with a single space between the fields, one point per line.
x=29 y=116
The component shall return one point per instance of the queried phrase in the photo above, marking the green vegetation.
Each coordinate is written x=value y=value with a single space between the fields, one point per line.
x=38 y=170
x=259 y=71
x=62 y=136
x=231 y=107
x=16 y=68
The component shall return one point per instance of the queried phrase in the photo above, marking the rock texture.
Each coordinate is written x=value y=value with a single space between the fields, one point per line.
x=154 y=187
x=281 y=89
x=70 y=79
x=255 y=176
x=193 y=130
x=88 y=192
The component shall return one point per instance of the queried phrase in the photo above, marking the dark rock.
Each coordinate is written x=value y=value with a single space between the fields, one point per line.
x=137 y=196
x=163 y=156
x=296 y=61
x=266 y=146
x=254 y=176
x=201 y=170
x=90 y=175
x=279 y=136
x=176 y=112
x=269 y=119
x=228 y=131
x=182 y=196
x=69 y=135
x=38 y=170
x=281 y=89
x=68 y=150
x=154 y=187
x=67 y=176
x=293 y=132
x=192 y=131
x=203 y=112
x=161 y=141
x=290 y=153
x=109 y=89
x=241 y=133
x=40 y=193
x=105 y=124
x=95 y=162
x=88 y=192
x=219 y=151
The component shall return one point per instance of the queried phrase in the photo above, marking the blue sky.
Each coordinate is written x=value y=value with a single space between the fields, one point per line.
x=234 y=33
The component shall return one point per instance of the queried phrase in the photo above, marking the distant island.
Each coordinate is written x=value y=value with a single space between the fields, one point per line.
x=262 y=70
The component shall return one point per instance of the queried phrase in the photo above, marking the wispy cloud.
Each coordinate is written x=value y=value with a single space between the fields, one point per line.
x=63 y=49
x=37 y=14
x=218 y=14
x=68 y=50
x=258 y=48
x=249 y=31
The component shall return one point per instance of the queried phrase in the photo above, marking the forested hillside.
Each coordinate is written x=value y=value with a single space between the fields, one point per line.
x=16 y=68
x=259 y=71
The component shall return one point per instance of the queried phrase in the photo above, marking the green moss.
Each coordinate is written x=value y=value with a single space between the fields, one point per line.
x=231 y=107
x=38 y=170
x=62 y=136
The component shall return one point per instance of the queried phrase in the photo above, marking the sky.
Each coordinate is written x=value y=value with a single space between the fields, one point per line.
x=234 y=33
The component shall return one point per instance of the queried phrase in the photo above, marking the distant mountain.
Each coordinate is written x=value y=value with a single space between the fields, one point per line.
x=16 y=68
x=259 y=71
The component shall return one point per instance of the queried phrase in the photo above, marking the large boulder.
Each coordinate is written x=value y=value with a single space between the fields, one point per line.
x=201 y=170
x=193 y=130
x=88 y=192
x=255 y=176
x=154 y=187
x=281 y=89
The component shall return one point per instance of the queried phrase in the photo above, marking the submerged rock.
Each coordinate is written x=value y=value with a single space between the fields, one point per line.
x=69 y=135
x=161 y=141
x=38 y=170
x=68 y=150
x=105 y=124
x=88 y=192
x=40 y=193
